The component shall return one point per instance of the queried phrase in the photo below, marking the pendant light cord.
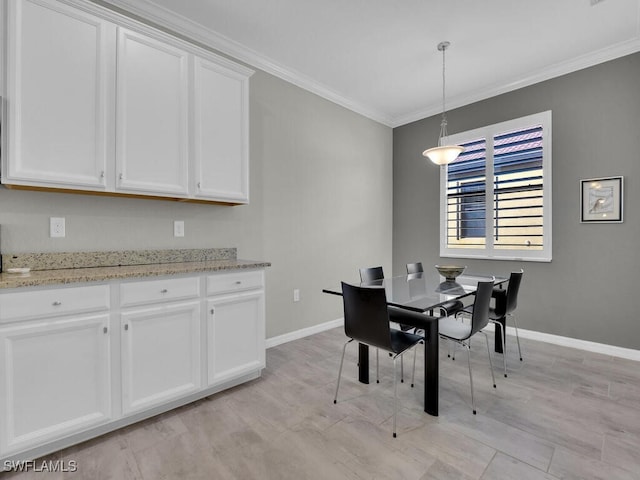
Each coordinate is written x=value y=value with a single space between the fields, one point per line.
x=443 y=81
x=443 y=123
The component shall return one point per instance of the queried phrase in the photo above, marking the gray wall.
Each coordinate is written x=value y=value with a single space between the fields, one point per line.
x=589 y=289
x=321 y=206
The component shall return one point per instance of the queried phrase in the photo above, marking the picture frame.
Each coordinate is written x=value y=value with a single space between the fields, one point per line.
x=601 y=200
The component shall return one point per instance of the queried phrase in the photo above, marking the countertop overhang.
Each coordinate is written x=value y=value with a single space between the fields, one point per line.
x=99 y=274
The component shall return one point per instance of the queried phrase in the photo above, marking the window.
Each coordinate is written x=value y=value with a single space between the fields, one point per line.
x=495 y=199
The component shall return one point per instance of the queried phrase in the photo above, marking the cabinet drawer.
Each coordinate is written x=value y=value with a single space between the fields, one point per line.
x=54 y=301
x=152 y=291
x=233 y=282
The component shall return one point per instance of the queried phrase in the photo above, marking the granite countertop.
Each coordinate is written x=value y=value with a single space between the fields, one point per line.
x=98 y=273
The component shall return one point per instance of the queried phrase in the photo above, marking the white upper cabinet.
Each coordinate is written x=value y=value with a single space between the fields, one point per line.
x=99 y=102
x=151 y=115
x=60 y=82
x=221 y=150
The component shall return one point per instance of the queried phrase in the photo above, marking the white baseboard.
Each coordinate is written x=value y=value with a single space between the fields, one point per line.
x=305 y=332
x=614 y=351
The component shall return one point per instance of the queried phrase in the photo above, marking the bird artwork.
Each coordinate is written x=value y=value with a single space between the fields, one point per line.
x=600 y=199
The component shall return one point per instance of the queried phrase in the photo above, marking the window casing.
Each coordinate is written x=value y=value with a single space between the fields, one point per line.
x=505 y=170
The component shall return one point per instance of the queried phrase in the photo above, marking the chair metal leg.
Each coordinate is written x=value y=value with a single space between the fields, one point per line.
x=473 y=405
x=377 y=365
x=486 y=337
x=335 y=399
x=453 y=346
x=413 y=373
x=515 y=324
x=401 y=369
x=395 y=394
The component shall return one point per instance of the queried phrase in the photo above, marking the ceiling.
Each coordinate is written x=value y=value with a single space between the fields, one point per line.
x=379 y=57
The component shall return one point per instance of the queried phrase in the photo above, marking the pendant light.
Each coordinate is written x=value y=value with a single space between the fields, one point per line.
x=443 y=154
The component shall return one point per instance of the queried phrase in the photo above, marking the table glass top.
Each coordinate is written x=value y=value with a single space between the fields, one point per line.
x=422 y=291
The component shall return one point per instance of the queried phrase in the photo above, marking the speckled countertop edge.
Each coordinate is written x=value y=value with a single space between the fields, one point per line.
x=64 y=260
x=100 y=274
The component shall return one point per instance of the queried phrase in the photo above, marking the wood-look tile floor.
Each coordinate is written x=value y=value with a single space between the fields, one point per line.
x=562 y=413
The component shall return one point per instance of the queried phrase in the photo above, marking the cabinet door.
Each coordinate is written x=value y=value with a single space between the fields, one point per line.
x=55 y=379
x=235 y=327
x=221 y=147
x=60 y=83
x=151 y=116
x=160 y=354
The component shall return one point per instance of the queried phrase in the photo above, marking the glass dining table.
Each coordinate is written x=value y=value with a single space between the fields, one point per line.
x=421 y=292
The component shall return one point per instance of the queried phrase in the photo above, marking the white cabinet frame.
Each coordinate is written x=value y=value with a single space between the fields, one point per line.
x=64 y=379
x=166 y=337
x=151 y=115
x=77 y=123
x=125 y=342
x=220 y=131
x=236 y=336
x=158 y=144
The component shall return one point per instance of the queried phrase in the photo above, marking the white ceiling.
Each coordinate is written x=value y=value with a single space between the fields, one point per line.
x=379 y=57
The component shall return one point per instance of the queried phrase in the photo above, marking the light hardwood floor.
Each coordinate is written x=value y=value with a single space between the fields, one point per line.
x=562 y=413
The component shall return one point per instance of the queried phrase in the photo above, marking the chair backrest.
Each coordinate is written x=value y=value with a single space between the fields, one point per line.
x=370 y=274
x=366 y=317
x=512 y=291
x=480 y=316
x=414 y=267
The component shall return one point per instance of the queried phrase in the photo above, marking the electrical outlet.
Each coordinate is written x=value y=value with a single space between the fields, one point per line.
x=178 y=228
x=296 y=294
x=56 y=227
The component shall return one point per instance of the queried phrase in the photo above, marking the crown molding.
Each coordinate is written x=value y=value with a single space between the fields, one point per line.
x=585 y=61
x=163 y=17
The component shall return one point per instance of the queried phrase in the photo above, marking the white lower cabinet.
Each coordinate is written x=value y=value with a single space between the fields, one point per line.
x=55 y=379
x=160 y=354
x=79 y=361
x=235 y=326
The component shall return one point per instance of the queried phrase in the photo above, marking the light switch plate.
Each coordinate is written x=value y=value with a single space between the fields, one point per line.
x=178 y=228
x=56 y=227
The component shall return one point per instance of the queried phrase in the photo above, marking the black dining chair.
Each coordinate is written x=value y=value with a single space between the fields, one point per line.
x=366 y=320
x=506 y=303
x=371 y=274
x=459 y=332
x=448 y=308
x=414 y=267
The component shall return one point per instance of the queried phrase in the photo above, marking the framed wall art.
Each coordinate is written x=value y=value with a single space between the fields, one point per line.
x=601 y=200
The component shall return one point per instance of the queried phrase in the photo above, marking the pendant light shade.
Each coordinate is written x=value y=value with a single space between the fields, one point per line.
x=443 y=154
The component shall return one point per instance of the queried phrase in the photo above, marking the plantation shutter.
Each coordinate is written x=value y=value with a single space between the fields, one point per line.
x=517 y=205
x=518 y=189
x=466 y=197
